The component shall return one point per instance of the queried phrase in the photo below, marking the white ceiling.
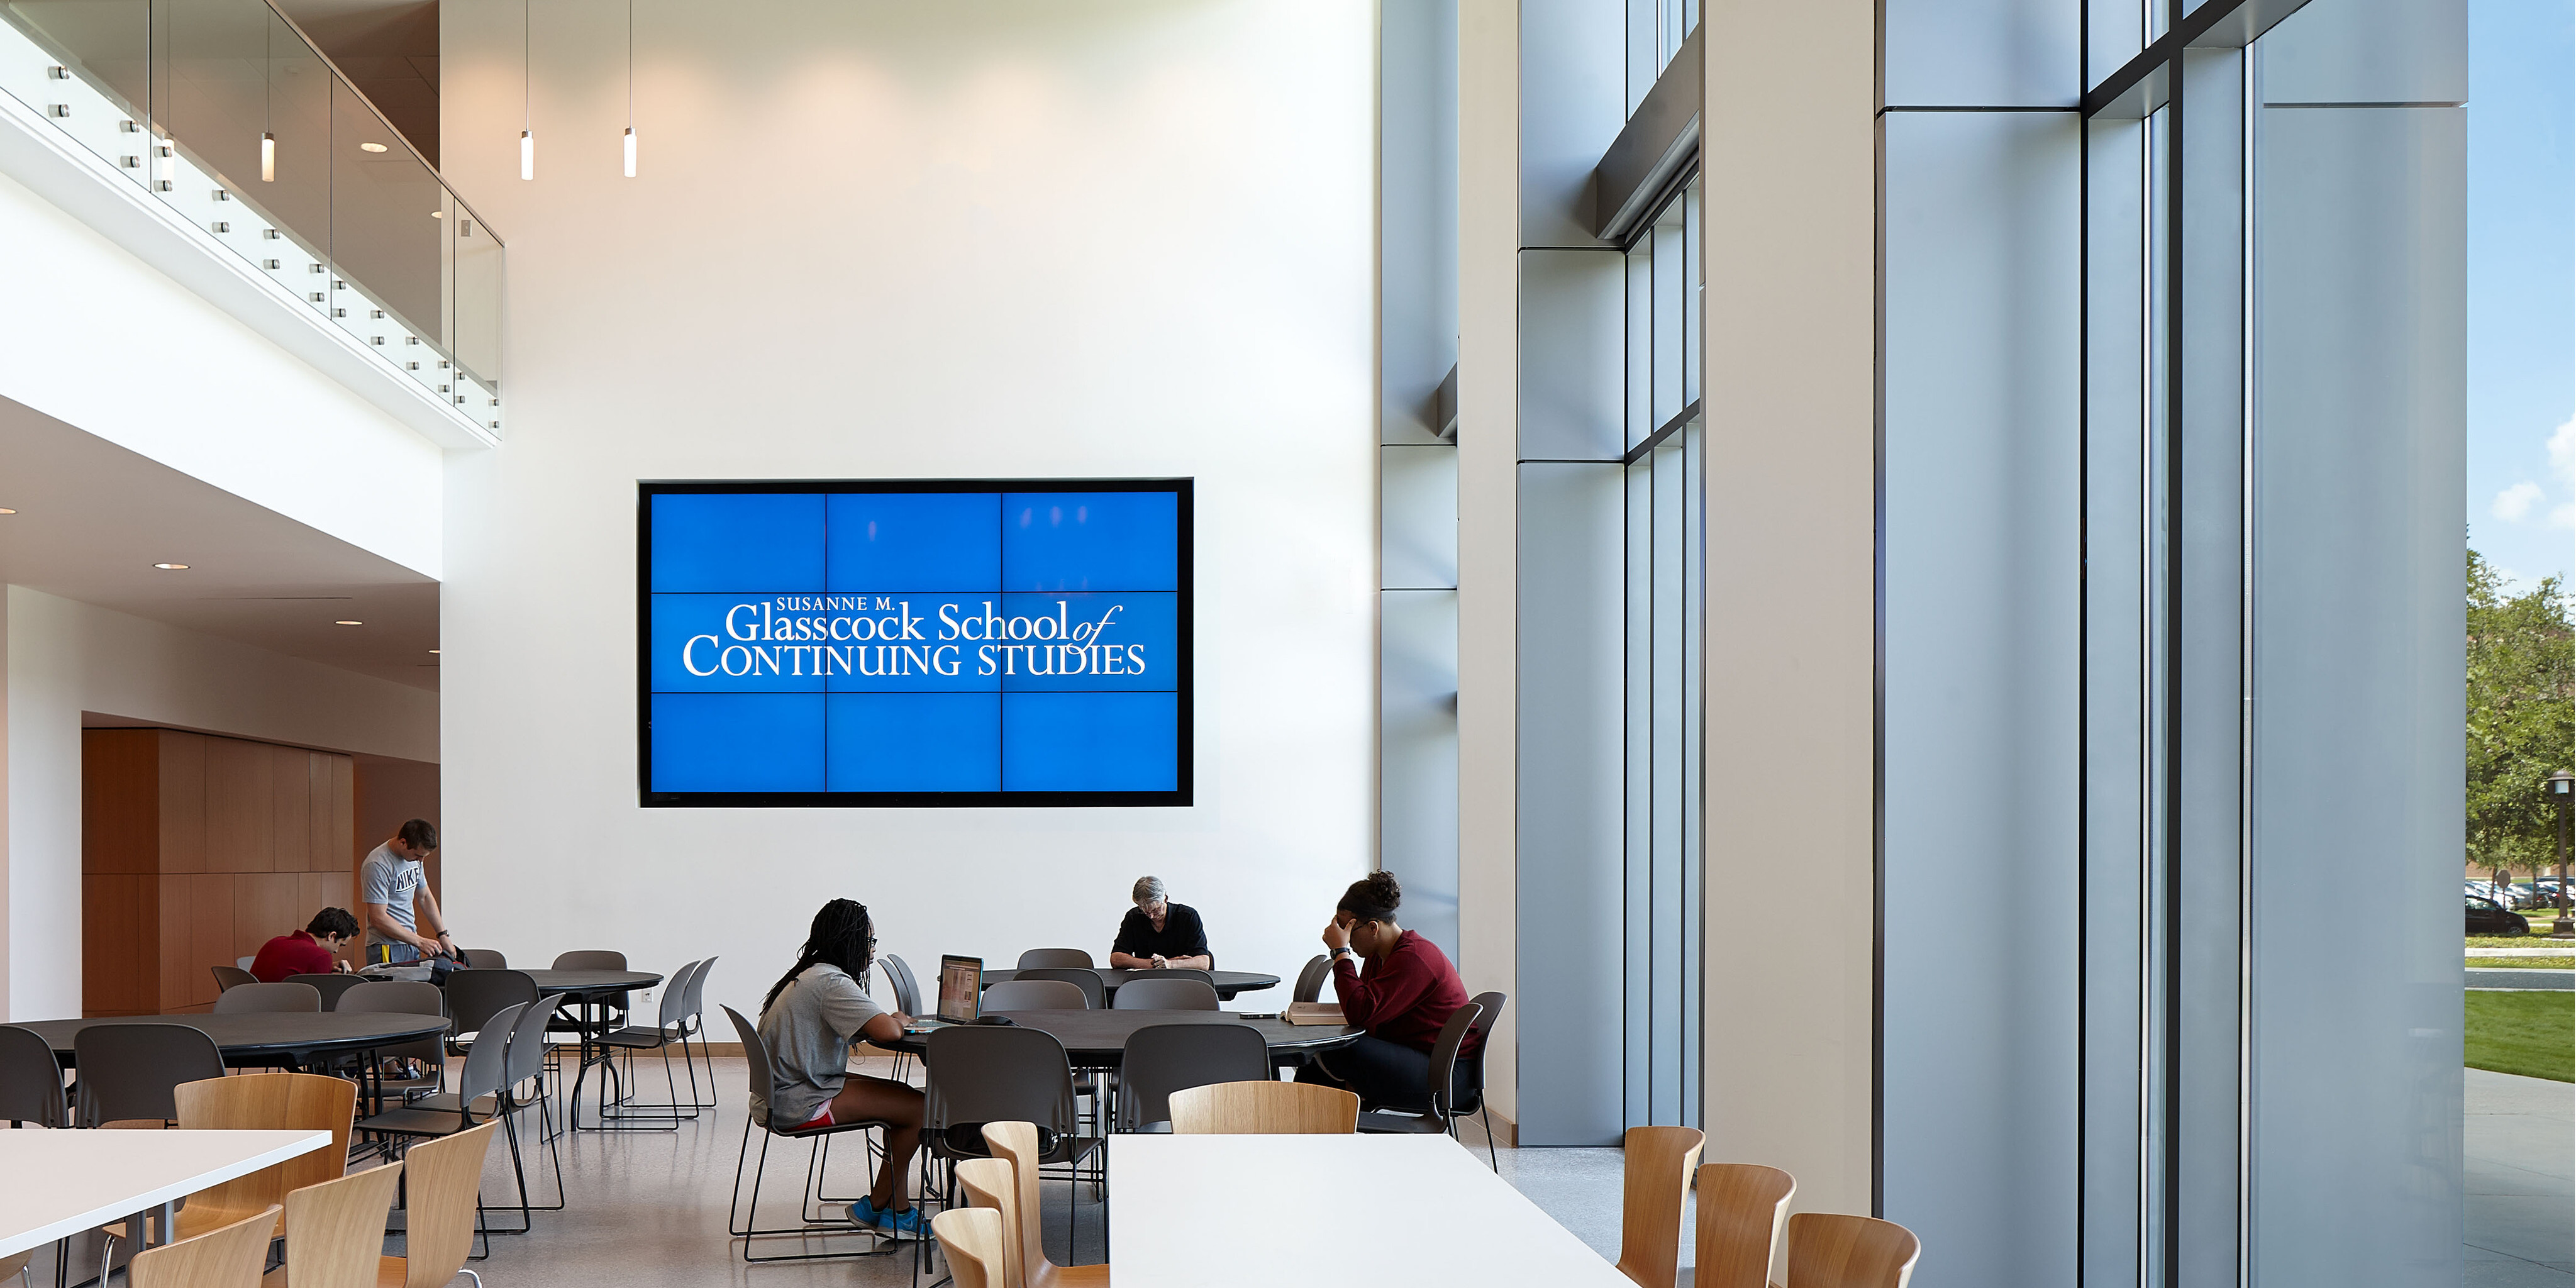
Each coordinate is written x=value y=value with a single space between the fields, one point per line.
x=92 y=518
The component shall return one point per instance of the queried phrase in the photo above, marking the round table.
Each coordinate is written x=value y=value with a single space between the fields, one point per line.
x=267 y=1037
x=1098 y=1039
x=1228 y=982
x=589 y=983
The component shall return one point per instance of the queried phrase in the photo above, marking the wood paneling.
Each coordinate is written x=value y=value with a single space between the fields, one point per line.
x=241 y=819
x=197 y=850
x=120 y=801
x=183 y=801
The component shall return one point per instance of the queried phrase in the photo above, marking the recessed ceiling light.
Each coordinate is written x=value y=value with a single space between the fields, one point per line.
x=371 y=147
x=433 y=652
x=6 y=510
x=172 y=567
x=438 y=214
x=348 y=622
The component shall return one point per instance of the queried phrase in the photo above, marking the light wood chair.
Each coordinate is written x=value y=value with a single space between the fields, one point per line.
x=1741 y=1206
x=226 y=1257
x=1654 y=1181
x=972 y=1238
x=1017 y=1144
x=14 y=1266
x=1830 y=1250
x=265 y=1102
x=1264 y=1109
x=335 y=1231
x=993 y=1183
x=445 y=1175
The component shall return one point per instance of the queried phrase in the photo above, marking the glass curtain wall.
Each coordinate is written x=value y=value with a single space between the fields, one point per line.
x=2273 y=438
x=1664 y=497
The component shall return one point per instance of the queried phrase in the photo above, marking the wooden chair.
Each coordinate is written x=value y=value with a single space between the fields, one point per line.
x=445 y=1177
x=993 y=1184
x=1654 y=1181
x=1264 y=1109
x=1741 y=1206
x=1017 y=1144
x=1830 y=1250
x=335 y=1231
x=972 y=1238
x=227 y=1257
x=265 y=1102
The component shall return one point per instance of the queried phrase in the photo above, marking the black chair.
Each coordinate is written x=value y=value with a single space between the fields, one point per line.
x=1456 y=1088
x=228 y=976
x=602 y=1013
x=1094 y=994
x=475 y=996
x=1163 y=1058
x=402 y=997
x=1310 y=981
x=127 y=1071
x=980 y=1074
x=332 y=984
x=1035 y=995
x=1055 y=957
x=31 y=1080
x=286 y=998
x=1159 y=994
x=486 y=959
x=741 y=1217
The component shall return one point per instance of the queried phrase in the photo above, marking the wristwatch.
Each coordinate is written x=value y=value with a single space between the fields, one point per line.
x=1344 y=949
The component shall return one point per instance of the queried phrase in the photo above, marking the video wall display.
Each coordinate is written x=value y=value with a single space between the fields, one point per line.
x=915 y=642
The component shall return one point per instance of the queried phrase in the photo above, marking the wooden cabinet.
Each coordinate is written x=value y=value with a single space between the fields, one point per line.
x=195 y=850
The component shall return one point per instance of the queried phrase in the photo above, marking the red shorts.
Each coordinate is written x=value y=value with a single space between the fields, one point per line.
x=821 y=1119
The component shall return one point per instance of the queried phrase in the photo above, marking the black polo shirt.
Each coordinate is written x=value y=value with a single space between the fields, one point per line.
x=1181 y=935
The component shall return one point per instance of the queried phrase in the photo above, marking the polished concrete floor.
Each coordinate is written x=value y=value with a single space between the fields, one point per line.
x=2519 y=1142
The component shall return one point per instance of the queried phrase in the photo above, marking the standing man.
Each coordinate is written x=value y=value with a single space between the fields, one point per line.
x=391 y=884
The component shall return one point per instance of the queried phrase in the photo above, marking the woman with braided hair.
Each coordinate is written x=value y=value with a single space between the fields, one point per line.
x=807 y=1024
x=1404 y=994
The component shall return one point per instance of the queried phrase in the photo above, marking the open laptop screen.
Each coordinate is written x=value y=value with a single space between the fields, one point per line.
x=961 y=989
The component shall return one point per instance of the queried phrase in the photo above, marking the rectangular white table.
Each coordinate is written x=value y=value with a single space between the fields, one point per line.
x=1295 y=1211
x=57 y=1183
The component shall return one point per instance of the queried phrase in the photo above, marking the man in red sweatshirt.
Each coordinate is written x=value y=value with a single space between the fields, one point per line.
x=313 y=950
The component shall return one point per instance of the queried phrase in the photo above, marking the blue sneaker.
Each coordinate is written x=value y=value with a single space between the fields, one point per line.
x=905 y=1224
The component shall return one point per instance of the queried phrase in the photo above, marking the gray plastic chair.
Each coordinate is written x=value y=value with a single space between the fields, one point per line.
x=475 y=996
x=127 y=1070
x=615 y=1003
x=1310 y=981
x=980 y=1074
x=590 y=959
x=1035 y=995
x=486 y=959
x=907 y=990
x=1159 y=994
x=1094 y=994
x=331 y=986
x=741 y=1218
x=31 y=1079
x=1055 y=957
x=670 y=1027
x=1163 y=1058
x=693 y=1028
x=402 y=997
x=250 y=999
x=1187 y=972
x=524 y=1063
x=230 y=976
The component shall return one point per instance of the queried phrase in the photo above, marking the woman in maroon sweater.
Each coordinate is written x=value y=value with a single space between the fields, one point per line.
x=1403 y=996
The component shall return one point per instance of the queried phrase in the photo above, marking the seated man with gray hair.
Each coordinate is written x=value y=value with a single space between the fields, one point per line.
x=1159 y=933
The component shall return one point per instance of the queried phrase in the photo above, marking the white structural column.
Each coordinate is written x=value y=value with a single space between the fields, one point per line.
x=1488 y=519
x=1788 y=157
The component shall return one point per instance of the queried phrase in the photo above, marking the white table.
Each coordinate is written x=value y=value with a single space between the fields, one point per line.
x=1293 y=1211
x=57 y=1183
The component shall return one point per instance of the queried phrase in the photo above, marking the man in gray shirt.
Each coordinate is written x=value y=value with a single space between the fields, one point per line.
x=393 y=893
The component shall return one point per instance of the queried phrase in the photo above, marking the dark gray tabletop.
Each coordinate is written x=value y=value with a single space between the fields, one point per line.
x=1228 y=982
x=552 y=983
x=265 y=1036
x=1096 y=1039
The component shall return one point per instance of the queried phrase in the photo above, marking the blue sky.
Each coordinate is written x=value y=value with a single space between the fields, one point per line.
x=2522 y=286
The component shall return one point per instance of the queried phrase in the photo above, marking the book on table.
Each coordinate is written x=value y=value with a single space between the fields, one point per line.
x=1314 y=1013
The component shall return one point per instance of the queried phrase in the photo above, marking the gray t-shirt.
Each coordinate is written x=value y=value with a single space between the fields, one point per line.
x=807 y=1033
x=393 y=882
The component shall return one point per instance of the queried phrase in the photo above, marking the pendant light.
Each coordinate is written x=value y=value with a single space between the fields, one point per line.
x=268 y=103
x=630 y=89
x=527 y=95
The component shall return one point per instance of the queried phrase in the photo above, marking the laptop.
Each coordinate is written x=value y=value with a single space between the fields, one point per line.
x=961 y=989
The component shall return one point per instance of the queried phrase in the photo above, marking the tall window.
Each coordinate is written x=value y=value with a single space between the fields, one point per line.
x=1663 y=720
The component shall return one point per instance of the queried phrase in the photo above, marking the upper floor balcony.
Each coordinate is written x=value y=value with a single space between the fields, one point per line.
x=227 y=114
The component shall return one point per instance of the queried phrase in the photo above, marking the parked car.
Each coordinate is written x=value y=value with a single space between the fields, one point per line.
x=2487 y=917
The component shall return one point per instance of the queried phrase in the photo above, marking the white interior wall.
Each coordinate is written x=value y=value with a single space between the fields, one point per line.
x=62 y=658
x=877 y=240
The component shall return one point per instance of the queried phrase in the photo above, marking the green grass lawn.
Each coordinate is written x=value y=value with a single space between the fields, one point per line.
x=2522 y=963
x=2532 y=1034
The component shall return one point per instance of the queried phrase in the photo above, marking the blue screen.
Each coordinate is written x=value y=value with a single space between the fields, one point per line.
x=904 y=643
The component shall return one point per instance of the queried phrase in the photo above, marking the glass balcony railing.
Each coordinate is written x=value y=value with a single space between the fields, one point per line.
x=224 y=111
